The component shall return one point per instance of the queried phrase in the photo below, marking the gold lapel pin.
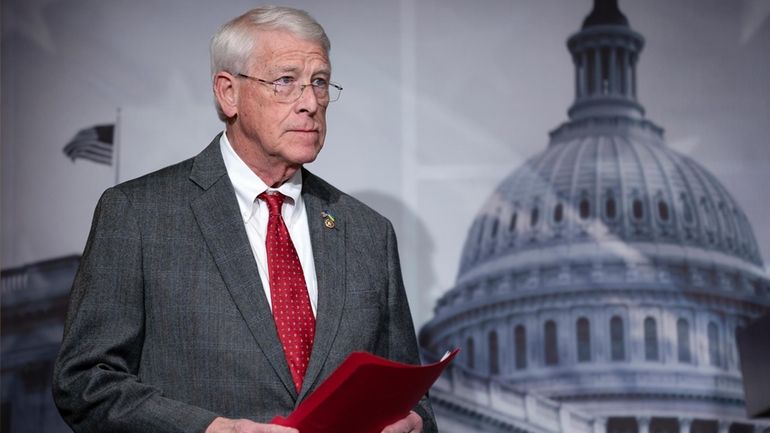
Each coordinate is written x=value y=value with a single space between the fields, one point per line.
x=329 y=220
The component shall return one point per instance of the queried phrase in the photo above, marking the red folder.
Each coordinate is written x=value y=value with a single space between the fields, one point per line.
x=364 y=394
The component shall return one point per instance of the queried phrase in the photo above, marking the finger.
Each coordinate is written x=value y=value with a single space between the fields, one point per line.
x=412 y=423
x=399 y=426
x=416 y=422
x=274 y=428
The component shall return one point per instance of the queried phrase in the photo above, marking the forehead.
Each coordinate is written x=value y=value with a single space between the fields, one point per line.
x=281 y=49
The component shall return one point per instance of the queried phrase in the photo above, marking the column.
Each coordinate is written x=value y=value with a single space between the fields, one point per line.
x=644 y=424
x=613 y=73
x=597 y=71
x=724 y=427
x=731 y=349
x=600 y=425
x=482 y=350
x=627 y=72
x=576 y=61
x=507 y=349
x=632 y=69
x=564 y=420
x=530 y=408
x=582 y=72
x=534 y=336
x=620 y=69
x=684 y=425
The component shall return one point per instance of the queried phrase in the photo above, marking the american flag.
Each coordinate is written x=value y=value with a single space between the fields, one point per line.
x=95 y=143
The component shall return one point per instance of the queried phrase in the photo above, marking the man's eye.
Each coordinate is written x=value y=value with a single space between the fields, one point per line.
x=284 y=81
x=319 y=82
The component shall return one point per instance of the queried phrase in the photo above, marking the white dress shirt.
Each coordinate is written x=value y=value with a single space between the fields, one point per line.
x=255 y=214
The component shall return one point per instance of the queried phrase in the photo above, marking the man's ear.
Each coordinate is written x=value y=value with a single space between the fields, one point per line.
x=226 y=92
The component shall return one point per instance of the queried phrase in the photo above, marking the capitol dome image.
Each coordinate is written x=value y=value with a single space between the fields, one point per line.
x=601 y=284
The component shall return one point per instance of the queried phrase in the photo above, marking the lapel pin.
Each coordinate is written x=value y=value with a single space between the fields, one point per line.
x=329 y=220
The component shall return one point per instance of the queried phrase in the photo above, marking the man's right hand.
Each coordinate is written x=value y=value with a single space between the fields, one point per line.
x=225 y=425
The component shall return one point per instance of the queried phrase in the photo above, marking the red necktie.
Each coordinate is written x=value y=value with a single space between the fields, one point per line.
x=291 y=303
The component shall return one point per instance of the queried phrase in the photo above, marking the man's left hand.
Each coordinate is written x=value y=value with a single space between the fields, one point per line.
x=412 y=423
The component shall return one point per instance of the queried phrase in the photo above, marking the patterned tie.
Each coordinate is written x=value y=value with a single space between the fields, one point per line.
x=291 y=303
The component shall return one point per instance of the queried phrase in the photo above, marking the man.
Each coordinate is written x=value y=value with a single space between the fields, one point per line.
x=204 y=286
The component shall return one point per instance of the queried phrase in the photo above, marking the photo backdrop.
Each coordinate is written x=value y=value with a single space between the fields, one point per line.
x=442 y=100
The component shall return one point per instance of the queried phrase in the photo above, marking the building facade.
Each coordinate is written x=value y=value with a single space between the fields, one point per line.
x=34 y=303
x=601 y=285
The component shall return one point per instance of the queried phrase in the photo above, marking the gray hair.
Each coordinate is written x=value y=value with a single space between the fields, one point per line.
x=232 y=46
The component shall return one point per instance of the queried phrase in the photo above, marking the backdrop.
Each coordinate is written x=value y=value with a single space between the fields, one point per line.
x=442 y=99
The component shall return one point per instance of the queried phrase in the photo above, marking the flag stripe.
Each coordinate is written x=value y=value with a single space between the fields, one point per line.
x=94 y=144
x=91 y=151
x=91 y=155
x=89 y=144
x=102 y=159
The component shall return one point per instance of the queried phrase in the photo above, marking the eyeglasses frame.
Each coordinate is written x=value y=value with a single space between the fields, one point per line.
x=301 y=87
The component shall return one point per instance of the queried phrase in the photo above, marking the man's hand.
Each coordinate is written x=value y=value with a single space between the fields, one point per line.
x=225 y=425
x=412 y=423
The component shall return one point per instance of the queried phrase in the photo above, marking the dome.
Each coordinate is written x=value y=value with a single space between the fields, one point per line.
x=602 y=182
x=609 y=271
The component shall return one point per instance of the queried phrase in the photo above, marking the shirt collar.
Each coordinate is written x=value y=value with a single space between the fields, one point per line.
x=248 y=185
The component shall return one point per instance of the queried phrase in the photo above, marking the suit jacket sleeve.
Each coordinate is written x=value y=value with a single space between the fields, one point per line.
x=402 y=344
x=97 y=385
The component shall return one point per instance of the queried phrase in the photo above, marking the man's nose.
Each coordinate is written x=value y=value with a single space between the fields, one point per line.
x=308 y=101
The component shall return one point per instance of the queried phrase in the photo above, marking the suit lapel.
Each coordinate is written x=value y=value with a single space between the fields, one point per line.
x=329 y=258
x=218 y=215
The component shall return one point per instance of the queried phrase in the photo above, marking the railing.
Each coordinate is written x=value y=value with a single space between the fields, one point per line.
x=495 y=398
x=38 y=280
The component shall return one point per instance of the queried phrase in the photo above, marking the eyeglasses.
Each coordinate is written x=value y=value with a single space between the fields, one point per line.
x=288 y=90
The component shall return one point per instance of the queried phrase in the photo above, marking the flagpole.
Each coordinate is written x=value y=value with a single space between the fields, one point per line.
x=116 y=141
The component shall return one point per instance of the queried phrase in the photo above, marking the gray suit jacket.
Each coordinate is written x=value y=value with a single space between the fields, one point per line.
x=168 y=325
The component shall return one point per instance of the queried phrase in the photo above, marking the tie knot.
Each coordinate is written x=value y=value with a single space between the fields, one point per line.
x=274 y=201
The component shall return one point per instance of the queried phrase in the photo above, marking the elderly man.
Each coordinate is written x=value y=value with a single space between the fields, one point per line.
x=219 y=292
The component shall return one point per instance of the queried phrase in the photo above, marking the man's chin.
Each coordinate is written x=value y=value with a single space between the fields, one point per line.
x=306 y=157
